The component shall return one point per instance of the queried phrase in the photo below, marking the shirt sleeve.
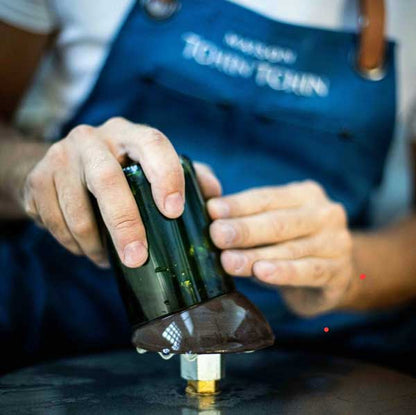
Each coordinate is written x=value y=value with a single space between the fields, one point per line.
x=32 y=15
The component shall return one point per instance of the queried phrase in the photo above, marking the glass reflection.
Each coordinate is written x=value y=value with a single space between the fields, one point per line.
x=202 y=405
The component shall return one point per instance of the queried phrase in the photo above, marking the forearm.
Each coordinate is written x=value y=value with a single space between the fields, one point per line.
x=18 y=155
x=387 y=258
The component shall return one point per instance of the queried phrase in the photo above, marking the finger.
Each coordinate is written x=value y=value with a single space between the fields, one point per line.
x=79 y=216
x=263 y=199
x=105 y=179
x=50 y=214
x=157 y=157
x=207 y=180
x=325 y=245
x=265 y=228
x=304 y=272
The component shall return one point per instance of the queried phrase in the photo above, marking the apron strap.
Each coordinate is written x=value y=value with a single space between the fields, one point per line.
x=370 y=58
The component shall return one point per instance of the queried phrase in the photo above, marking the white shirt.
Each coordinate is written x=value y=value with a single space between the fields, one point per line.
x=87 y=28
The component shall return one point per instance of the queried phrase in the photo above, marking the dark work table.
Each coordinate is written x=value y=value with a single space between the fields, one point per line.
x=265 y=382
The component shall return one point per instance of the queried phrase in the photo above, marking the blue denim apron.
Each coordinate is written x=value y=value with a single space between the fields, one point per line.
x=264 y=103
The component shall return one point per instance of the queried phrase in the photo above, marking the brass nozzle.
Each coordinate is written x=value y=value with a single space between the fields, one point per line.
x=202 y=387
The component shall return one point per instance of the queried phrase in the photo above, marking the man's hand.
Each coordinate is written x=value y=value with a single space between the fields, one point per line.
x=56 y=196
x=292 y=237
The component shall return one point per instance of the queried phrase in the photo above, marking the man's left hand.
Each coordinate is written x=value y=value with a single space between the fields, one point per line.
x=292 y=237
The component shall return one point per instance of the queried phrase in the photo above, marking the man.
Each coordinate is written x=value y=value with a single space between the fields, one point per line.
x=294 y=120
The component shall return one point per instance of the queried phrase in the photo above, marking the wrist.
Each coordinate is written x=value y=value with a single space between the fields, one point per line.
x=356 y=297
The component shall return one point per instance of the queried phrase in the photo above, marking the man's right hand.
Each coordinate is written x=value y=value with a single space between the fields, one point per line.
x=56 y=196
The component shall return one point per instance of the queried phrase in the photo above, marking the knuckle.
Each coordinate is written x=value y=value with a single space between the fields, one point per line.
x=243 y=233
x=82 y=228
x=337 y=211
x=278 y=227
x=104 y=177
x=124 y=222
x=35 y=178
x=296 y=250
x=108 y=174
x=333 y=214
x=56 y=153
x=300 y=223
x=154 y=137
x=82 y=131
x=174 y=174
x=313 y=188
x=267 y=197
x=115 y=122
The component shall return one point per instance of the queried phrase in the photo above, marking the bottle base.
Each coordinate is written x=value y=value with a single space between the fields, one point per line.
x=229 y=323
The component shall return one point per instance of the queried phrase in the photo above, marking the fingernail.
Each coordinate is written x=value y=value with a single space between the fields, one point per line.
x=265 y=268
x=236 y=260
x=220 y=208
x=227 y=231
x=174 y=204
x=134 y=254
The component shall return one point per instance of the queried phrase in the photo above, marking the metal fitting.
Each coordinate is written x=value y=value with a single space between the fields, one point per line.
x=203 y=373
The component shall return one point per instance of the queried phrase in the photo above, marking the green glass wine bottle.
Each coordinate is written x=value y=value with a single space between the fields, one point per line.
x=181 y=300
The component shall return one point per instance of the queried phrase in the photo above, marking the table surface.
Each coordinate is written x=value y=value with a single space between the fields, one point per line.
x=266 y=382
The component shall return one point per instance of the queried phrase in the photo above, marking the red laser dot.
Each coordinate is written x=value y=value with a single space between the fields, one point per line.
x=326 y=329
x=362 y=276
